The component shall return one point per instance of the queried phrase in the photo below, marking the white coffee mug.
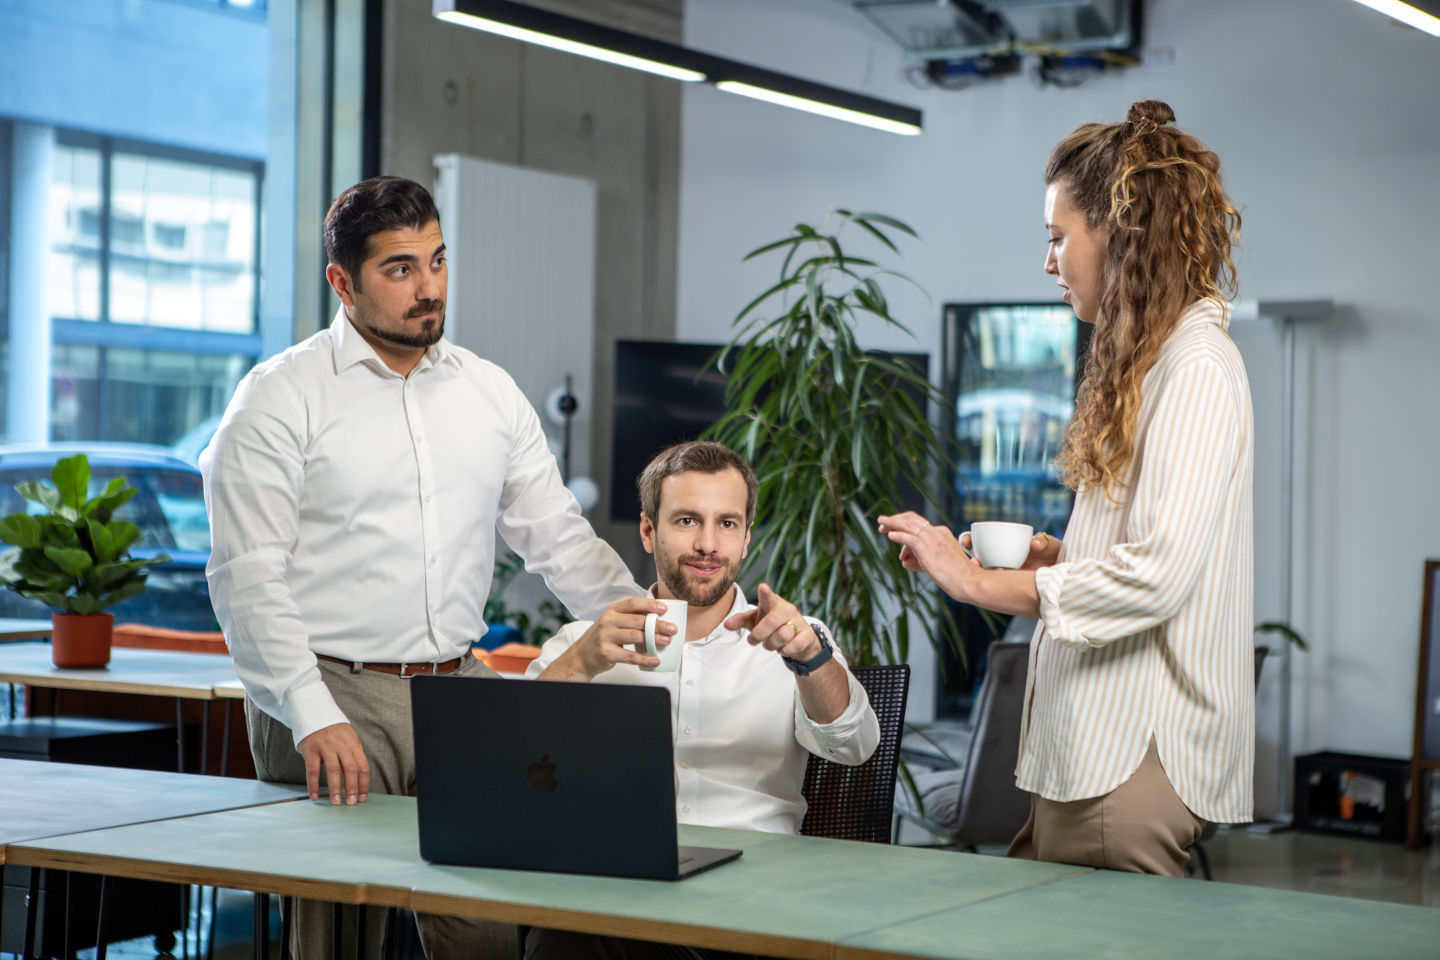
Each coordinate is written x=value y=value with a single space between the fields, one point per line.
x=1000 y=543
x=676 y=612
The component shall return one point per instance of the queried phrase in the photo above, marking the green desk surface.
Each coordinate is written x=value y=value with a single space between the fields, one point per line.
x=788 y=896
x=40 y=799
x=166 y=673
x=1119 y=915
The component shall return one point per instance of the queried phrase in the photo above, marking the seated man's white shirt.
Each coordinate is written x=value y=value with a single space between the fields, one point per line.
x=742 y=737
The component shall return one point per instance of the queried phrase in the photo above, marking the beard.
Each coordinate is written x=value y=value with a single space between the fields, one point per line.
x=672 y=574
x=428 y=335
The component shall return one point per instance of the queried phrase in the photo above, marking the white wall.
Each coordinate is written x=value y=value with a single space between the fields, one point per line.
x=1327 y=119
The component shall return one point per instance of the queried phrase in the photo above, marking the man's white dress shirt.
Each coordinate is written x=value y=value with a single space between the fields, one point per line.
x=1147 y=621
x=353 y=513
x=742 y=737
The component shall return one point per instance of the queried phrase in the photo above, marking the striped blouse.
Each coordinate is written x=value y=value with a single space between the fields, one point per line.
x=1147 y=619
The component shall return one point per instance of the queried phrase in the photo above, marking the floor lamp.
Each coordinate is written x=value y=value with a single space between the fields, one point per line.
x=1289 y=313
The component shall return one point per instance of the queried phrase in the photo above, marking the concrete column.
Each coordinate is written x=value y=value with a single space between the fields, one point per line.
x=28 y=399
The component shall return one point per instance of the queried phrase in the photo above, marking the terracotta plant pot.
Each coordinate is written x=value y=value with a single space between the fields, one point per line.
x=81 y=640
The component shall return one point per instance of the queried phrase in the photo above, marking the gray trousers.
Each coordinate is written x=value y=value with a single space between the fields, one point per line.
x=378 y=707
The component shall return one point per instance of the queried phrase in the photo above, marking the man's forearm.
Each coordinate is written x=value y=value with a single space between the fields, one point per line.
x=825 y=693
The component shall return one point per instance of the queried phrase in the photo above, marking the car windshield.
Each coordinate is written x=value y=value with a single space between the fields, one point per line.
x=169 y=508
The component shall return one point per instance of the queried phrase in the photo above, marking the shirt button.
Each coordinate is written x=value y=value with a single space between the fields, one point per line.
x=685 y=808
x=427 y=498
x=689 y=683
x=687 y=729
x=419 y=439
x=432 y=561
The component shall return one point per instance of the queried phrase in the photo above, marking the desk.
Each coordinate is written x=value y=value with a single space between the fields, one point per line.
x=369 y=854
x=45 y=799
x=164 y=673
x=860 y=900
x=1108 y=914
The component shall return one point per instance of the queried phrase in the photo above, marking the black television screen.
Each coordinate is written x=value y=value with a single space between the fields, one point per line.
x=665 y=393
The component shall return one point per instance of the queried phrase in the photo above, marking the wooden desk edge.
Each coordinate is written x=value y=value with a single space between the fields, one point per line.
x=581 y=921
x=110 y=686
x=328 y=890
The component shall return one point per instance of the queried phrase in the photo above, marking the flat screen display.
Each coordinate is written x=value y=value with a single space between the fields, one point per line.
x=665 y=393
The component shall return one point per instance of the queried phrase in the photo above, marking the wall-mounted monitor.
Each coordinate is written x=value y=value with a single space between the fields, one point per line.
x=665 y=393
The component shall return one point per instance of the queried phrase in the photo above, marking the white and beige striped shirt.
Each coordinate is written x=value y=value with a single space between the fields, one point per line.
x=1147 y=619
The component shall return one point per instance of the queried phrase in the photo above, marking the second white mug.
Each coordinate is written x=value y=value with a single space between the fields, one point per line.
x=676 y=612
x=1000 y=543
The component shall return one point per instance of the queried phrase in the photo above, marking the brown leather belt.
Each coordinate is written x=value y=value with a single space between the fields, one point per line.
x=405 y=670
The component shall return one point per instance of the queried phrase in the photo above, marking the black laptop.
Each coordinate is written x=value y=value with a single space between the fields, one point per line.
x=540 y=775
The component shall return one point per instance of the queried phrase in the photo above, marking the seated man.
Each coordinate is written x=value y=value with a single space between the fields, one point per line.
x=758 y=686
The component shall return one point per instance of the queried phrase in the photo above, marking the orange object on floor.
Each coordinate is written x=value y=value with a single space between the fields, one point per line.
x=508 y=657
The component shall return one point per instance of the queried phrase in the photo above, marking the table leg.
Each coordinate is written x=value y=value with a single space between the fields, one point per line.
x=32 y=905
x=287 y=918
x=100 y=944
x=335 y=927
x=179 y=736
x=69 y=912
x=225 y=742
x=262 y=926
x=359 y=933
x=204 y=736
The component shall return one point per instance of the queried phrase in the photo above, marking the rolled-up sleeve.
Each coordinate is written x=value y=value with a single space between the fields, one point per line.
x=253 y=471
x=850 y=738
x=1190 y=452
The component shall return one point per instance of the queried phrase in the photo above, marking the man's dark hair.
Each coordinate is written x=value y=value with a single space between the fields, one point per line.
x=370 y=207
x=703 y=456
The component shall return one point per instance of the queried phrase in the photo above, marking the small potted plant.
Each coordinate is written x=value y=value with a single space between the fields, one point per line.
x=74 y=558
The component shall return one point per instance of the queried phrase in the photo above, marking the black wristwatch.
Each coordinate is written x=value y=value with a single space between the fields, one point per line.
x=802 y=668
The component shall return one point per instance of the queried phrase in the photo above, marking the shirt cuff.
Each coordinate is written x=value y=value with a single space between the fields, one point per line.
x=840 y=731
x=309 y=708
x=1049 y=584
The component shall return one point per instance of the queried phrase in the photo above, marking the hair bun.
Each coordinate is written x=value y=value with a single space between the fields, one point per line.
x=1150 y=113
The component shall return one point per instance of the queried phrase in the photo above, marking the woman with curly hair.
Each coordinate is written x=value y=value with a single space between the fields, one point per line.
x=1139 y=706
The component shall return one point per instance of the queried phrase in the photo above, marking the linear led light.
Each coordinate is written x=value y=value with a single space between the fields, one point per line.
x=1407 y=14
x=522 y=22
x=570 y=46
x=815 y=106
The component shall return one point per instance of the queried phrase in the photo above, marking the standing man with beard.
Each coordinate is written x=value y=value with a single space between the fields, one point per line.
x=759 y=688
x=354 y=490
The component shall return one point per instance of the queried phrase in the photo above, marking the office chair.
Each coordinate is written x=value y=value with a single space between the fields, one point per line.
x=857 y=803
x=978 y=803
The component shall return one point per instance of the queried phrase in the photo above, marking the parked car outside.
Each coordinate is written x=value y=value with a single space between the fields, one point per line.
x=169 y=509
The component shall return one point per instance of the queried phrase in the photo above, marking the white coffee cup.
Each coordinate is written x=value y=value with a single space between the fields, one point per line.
x=676 y=612
x=1000 y=543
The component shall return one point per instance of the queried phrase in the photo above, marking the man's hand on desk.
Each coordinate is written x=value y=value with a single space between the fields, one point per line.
x=336 y=749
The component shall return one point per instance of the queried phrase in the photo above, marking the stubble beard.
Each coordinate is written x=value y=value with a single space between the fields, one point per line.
x=428 y=335
x=672 y=574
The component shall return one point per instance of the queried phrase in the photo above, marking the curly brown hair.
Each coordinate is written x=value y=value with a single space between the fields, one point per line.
x=1171 y=228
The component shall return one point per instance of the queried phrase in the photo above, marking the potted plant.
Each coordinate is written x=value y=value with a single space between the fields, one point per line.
x=835 y=435
x=75 y=559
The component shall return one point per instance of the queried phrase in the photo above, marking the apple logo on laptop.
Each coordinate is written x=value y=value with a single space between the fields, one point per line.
x=542 y=775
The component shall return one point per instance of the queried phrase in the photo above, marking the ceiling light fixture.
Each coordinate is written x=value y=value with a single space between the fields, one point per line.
x=528 y=24
x=1411 y=14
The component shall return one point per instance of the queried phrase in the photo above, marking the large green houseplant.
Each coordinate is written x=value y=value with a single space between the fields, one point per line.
x=74 y=558
x=835 y=436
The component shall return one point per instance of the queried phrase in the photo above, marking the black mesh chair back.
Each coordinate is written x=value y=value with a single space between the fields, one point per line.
x=856 y=803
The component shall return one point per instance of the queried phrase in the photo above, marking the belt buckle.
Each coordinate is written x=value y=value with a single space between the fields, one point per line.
x=419 y=671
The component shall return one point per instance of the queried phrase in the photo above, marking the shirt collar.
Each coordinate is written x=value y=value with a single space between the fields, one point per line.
x=1208 y=310
x=351 y=348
